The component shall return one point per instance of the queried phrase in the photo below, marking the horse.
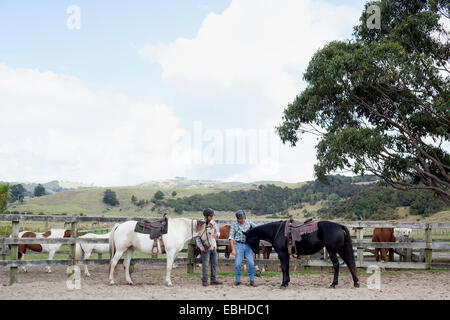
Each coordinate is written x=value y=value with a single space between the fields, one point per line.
x=383 y=235
x=333 y=236
x=123 y=239
x=50 y=248
x=88 y=248
x=224 y=234
x=207 y=237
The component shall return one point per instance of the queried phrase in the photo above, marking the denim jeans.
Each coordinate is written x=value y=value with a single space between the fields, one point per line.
x=209 y=257
x=242 y=250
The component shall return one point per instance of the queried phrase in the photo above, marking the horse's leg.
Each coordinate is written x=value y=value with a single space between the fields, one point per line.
x=114 y=262
x=391 y=254
x=284 y=260
x=21 y=258
x=377 y=255
x=50 y=257
x=347 y=262
x=126 y=263
x=170 y=259
x=87 y=255
x=335 y=261
x=383 y=254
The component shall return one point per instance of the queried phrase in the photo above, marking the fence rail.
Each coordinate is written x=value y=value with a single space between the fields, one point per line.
x=427 y=246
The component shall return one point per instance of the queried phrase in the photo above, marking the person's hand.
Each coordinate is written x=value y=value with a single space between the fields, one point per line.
x=215 y=235
x=233 y=252
x=203 y=250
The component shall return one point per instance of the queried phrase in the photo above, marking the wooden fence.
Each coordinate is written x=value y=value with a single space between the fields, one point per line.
x=428 y=245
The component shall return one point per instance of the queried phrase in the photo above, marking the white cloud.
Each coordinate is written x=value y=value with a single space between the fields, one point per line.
x=256 y=51
x=55 y=127
x=253 y=44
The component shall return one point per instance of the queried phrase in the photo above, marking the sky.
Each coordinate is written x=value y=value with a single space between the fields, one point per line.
x=117 y=93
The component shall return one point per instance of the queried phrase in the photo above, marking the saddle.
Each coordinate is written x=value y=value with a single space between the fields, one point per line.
x=294 y=230
x=155 y=228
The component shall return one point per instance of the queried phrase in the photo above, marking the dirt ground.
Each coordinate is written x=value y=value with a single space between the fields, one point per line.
x=150 y=284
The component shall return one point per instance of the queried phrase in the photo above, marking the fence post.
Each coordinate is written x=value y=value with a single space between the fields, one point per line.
x=428 y=251
x=13 y=271
x=100 y=257
x=74 y=234
x=3 y=251
x=360 y=253
x=190 y=264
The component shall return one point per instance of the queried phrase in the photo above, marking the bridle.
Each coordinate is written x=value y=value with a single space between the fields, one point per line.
x=207 y=235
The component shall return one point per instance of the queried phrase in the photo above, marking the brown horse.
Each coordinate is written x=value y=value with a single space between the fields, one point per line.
x=50 y=248
x=383 y=235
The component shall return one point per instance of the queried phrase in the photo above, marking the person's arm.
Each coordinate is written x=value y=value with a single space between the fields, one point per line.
x=199 y=244
x=231 y=239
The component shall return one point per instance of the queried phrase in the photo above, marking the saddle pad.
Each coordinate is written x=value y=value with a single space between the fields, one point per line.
x=308 y=228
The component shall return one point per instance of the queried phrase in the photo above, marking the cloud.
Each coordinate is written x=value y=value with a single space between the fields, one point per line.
x=54 y=126
x=253 y=44
x=253 y=54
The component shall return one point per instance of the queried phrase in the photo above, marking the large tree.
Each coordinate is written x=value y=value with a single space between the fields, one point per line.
x=17 y=193
x=379 y=103
x=4 y=196
x=109 y=197
x=39 y=191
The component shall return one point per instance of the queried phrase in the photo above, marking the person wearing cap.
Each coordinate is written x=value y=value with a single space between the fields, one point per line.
x=240 y=248
x=208 y=256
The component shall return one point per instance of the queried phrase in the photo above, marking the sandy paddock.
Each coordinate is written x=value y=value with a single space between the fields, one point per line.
x=150 y=284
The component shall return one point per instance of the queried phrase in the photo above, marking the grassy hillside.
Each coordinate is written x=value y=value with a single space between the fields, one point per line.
x=339 y=200
x=89 y=201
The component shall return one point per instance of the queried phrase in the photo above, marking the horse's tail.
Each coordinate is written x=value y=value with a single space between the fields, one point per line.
x=78 y=251
x=348 y=248
x=112 y=246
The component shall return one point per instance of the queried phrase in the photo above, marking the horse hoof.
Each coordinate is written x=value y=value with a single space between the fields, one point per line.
x=356 y=285
x=333 y=286
x=131 y=283
x=111 y=283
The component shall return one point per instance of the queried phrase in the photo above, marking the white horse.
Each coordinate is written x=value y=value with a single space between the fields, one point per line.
x=123 y=239
x=88 y=248
x=50 y=248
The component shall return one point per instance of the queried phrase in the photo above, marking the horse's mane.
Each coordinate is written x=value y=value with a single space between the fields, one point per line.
x=258 y=229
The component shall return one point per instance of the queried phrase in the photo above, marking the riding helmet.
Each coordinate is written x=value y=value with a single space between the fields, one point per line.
x=208 y=212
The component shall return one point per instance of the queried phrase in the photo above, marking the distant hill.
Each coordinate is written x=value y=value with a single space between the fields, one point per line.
x=52 y=186
x=182 y=183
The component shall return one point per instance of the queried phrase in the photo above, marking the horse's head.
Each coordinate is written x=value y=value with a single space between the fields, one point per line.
x=200 y=226
x=208 y=237
x=252 y=240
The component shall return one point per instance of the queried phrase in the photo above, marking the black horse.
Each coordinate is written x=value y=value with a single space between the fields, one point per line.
x=334 y=237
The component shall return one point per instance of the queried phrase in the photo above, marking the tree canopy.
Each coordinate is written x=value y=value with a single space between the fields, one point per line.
x=39 y=191
x=17 y=193
x=109 y=197
x=379 y=102
x=4 y=196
